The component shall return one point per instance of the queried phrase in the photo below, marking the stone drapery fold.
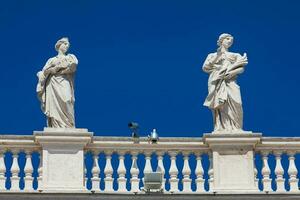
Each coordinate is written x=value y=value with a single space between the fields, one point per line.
x=55 y=91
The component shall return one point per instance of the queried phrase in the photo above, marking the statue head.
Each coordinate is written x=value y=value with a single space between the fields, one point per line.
x=62 y=45
x=225 y=40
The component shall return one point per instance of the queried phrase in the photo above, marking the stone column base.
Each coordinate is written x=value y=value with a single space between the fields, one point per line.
x=233 y=161
x=63 y=158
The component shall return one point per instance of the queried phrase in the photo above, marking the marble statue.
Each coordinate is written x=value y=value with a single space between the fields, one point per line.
x=224 y=97
x=55 y=87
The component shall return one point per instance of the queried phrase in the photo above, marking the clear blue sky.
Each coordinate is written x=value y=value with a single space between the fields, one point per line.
x=141 y=61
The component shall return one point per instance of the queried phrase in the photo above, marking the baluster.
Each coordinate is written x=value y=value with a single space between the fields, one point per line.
x=292 y=171
x=121 y=172
x=134 y=173
x=210 y=172
x=148 y=167
x=2 y=170
x=160 y=164
x=15 y=172
x=95 y=172
x=108 y=171
x=279 y=172
x=199 y=173
x=85 y=178
x=40 y=172
x=255 y=173
x=173 y=173
x=28 y=169
x=266 y=172
x=186 y=172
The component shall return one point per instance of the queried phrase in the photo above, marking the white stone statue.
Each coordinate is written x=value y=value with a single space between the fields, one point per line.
x=224 y=97
x=55 y=87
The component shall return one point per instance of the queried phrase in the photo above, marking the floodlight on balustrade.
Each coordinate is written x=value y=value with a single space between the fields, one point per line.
x=153 y=181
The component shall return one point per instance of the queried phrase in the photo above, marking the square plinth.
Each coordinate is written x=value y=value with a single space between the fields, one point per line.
x=63 y=158
x=233 y=161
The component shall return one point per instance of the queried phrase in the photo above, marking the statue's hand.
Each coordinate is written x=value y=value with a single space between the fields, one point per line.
x=243 y=60
x=214 y=58
x=228 y=76
x=59 y=62
x=55 y=62
x=54 y=70
x=239 y=63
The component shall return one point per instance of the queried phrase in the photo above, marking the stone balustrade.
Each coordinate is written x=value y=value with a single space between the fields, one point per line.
x=280 y=153
x=143 y=157
x=117 y=165
x=19 y=164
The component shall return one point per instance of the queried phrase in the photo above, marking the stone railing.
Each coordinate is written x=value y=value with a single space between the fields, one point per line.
x=168 y=153
x=280 y=152
x=51 y=161
x=19 y=155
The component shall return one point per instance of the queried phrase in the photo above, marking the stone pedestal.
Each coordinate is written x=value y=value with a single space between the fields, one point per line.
x=233 y=161
x=63 y=158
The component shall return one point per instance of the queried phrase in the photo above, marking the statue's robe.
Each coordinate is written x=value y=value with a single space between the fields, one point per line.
x=56 y=91
x=224 y=97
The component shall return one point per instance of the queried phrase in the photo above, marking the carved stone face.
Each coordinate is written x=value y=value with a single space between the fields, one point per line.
x=64 y=47
x=227 y=42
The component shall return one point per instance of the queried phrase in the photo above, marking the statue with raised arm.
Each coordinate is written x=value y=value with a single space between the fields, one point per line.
x=224 y=97
x=55 y=87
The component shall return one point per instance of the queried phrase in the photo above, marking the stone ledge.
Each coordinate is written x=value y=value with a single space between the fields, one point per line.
x=80 y=196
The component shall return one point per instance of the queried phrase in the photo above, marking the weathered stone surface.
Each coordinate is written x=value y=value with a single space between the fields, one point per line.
x=233 y=161
x=37 y=196
x=224 y=97
x=63 y=158
x=55 y=87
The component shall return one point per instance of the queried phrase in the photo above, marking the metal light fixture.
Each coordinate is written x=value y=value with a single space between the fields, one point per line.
x=134 y=128
x=153 y=137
